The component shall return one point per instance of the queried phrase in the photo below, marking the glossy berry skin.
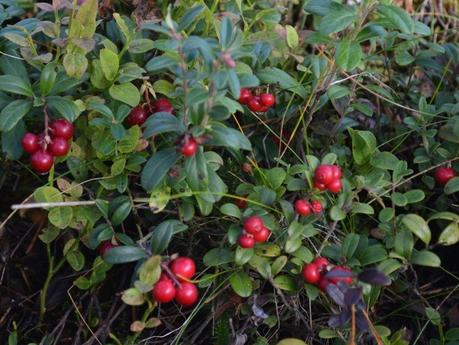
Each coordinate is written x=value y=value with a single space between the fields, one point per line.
x=320 y=186
x=104 y=247
x=311 y=273
x=164 y=291
x=137 y=116
x=323 y=283
x=164 y=276
x=241 y=203
x=255 y=105
x=267 y=99
x=245 y=96
x=316 y=206
x=163 y=105
x=189 y=147
x=187 y=294
x=62 y=128
x=262 y=235
x=302 y=207
x=443 y=175
x=41 y=161
x=30 y=143
x=253 y=224
x=246 y=241
x=336 y=280
x=324 y=174
x=183 y=267
x=335 y=186
x=321 y=263
x=337 y=172
x=59 y=147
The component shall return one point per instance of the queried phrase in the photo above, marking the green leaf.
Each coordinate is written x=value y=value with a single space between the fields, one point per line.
x=75 y=64
x=13 y=113
x=76 y=259
x=49 y=234
x=217 y=257
x=384 y=160
x=16 y=85
x=189 y=17
x=119 y=209
x=414 y=195
x=350 y=244
x=226 y=32
x=425 y=258
x=291 y=341
x=47 y=194
x=337 y=19
x=126 y=93
x=363 y=145
x=285 y=282
x=452 y=186
x=156 y=168
x=160 y=63
x=397 y=17
x=348 y=54
x=386 y=214
x=404 y=243
x=11 y=140
x=449 y=235
x=231 y=210
x=150 y=271
x=336 y=213
x=275 y=177
x=123 y=254
x=110 y=63
x=162 y=123
x=337 y=92
x=292 y=36
x=234 y=84
x=161 y=237
x=362 y=208
x=229 y=137
x=399 y=199
x=141 y=45
x=60 y=217
x=243 y=255
x=433 y=315
x=278 y=264
x=372 y=254
x=65 y=107
x=241 y=283
x=273 y=75
x=47 y=78
x=133 y=296
x=418 y=226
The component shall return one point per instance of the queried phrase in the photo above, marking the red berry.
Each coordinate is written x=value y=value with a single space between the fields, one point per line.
x=246 y=241
x=267 y=99
x=324 y=174
x=137 y=116
x=59 y=147
x=320 y=186
x=30 y=143
x=105 y=246
x=245 y=96
x=164 y=291
x=149 y=108
x=41 y=161
x=183 y=267
x=262 y=235
x=255 y=105
x=164 y=276
x=323 y=283
x=187 y=294
x=163 y=105
x=311 y=273
x=316 y=206
x=253 y=224
x=62 y=128
x=337 y=173
x=335 y=186
x=443 y=175
x=321 y=263
x=241 y=203
x=189 y=147
x=302 y=207
x=336 y=280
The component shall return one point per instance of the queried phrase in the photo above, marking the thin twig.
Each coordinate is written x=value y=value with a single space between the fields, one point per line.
x=52 y=204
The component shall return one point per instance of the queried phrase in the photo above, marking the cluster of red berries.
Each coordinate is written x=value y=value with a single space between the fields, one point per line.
x=444 y=174
x=314 y=273
x=254 y=232
x=141 y=113
x=328 y=176
x=257 y=103
x=188 y=145
x=43 y=148
x=304 y=208
x=178 y=287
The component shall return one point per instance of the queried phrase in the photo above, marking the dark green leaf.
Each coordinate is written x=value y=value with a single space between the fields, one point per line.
x=162 y=123
x=122 y=254
x=13 y=113
x=161 y=237
x=217 y=257
x=16 y=85
x=241 y=284
x=63 y=107
x=157 y=167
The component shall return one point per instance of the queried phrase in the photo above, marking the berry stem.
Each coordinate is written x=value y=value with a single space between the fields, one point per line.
x=166 y=268
x=47 y=137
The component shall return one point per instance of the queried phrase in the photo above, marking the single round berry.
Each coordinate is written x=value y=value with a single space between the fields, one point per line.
x=337 y=173
x=164 y=291
x=163 y=105
x=62 y=128
x=335 y=186
x=246 y=241
x=30 y=143
x=321 y=262
x=104 y=247
x=255 y=105
x=262 y=235
x=41 y=161
x=253 y=224
x=324 y=174
x=311 y=273
x=183 y=267
x=443 y=175
x=245 y=96
x=267 y=99
x=323 y=283
x=59 y=147
x=137 y=116
x=316 y=206
x=302 y=207
x=347 y=278
x=241 y=203
x=189 y=147
x=187 y=294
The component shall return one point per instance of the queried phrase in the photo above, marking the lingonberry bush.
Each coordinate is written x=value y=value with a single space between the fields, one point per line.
x=229 y=172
